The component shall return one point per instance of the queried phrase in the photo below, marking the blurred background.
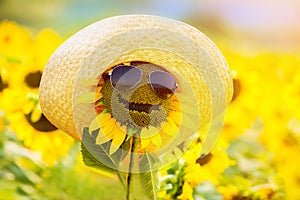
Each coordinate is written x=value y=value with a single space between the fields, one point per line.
x=258 y=153
x=267 y=22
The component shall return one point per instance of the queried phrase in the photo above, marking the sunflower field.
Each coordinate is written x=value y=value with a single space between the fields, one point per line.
x=256 y=157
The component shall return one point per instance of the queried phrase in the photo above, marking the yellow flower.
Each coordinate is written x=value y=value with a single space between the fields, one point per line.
x=209 y=167
x=269 y=100
x=31 y=127
x=187 y=192
x=113 y=128
x=22 y=61
x=243 y=99
x=228 y=192
x=195 y=170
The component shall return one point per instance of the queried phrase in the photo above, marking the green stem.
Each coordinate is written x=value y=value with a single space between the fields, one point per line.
x=131 y=165
x=122 y=180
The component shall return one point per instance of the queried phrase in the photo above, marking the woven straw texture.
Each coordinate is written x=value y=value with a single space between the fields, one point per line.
x=180 y=48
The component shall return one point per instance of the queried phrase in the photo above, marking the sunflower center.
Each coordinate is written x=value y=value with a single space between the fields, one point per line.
x=42 y=124
x=6 y=39
x=3 y=85
x=140 y=107
x=204 y=159
x=33 y=79
x=237 y=88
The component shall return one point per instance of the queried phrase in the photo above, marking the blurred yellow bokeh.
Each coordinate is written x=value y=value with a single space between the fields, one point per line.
x=257 y=155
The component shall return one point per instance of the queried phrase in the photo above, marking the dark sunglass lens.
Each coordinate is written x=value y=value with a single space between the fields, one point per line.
x=163 y=84
x=125 y=77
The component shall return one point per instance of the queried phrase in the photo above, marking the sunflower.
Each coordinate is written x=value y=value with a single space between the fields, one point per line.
x=209 y=167
x=157 y=120
x=31 y=126
x=182 y=177
x=21 y=72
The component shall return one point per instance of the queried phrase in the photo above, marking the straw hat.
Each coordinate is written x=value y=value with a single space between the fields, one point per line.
x=179 y=48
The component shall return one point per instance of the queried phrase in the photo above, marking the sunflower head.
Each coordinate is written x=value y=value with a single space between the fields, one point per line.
x=145 y=108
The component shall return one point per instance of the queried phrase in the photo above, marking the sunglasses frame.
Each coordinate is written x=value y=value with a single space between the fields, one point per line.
x=141 y=72
x=110 y=76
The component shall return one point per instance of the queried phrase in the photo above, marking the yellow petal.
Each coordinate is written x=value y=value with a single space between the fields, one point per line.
x=145 y=142
x=175 y=106
x=98 y=90
x=28 y=107
x=100 y=119
x=156 y=140
x=109 y=126
x=144 y=133
x=107 y=132
x=88 y=97
x=187 y=192
x=35 y=115
x=123 y=128
x=118 y=139
x=102 y=138
x=149 y=132
x=176 y=116
x=170 y=127
x=152 y=131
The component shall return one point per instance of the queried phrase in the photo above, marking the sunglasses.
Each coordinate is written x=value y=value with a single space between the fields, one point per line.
x=127 y=77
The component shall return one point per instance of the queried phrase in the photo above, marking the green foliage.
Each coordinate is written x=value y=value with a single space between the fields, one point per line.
x=24 y=176
x=172 y=183
x=253 y=171
x=206 y=190
x=149 y=178
x=92 y=154
x=98 y=157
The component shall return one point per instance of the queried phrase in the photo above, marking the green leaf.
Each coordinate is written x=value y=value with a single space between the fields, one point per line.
x=90 y=161
x=18 y=172
x=97 y=156
x=149 y=177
